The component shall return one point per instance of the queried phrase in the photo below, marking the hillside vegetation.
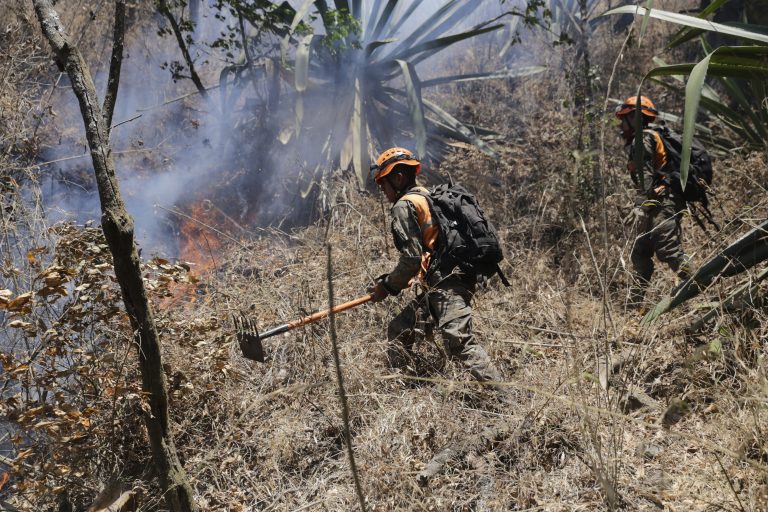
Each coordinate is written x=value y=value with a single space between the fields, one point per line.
x=604 y=412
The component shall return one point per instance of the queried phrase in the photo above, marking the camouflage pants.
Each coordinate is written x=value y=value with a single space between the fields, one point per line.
x=656 y=231
x=449 y=306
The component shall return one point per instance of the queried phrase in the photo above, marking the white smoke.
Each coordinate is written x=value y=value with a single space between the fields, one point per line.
x=169 y=149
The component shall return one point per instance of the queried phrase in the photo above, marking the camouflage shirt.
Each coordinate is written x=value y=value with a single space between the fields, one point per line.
x=647 y=179
x=408 y=241
x=650 y=189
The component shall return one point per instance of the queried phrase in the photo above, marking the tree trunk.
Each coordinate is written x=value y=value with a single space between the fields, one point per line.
x=584 y=99
x=118 y=231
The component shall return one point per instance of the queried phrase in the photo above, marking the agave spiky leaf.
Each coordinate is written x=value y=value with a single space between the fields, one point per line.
x=748 y=251
x=491 y=75
x=691 y=21
x=646 y=18
x=566 y=16
x=741 y=125
x=688 y=33
x=413 y=89
x=358 y=72
x=374 y=60
x=747 y=290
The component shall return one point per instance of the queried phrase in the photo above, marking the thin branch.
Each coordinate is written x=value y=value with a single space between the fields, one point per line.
x=166 y=11
x=117 y=225
x=115 y=64
x=203 y=224
x=603 y=291
x=730 y=483
x=178 y=98
x=342 y=392
x=125 y=122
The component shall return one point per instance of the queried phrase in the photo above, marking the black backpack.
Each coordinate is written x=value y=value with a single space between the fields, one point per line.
x=699 y=172
x=466 y=239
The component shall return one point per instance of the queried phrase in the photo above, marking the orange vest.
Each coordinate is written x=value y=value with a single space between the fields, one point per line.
x=660 y=155
x=428 y=226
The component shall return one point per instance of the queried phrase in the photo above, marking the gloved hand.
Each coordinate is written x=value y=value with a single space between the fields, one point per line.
x=638 y=214
x=378 y=291
x=633 y=216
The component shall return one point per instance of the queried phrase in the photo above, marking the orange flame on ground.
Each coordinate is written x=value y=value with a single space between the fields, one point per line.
x=200 y=244
x=200 y=241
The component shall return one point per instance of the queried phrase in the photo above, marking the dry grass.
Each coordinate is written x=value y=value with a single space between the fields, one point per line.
x=678 y=425
x=275 y=429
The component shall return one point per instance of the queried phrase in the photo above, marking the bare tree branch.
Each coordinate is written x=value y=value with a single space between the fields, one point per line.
x=115 y=64
x=166 y=11
x=342 y=391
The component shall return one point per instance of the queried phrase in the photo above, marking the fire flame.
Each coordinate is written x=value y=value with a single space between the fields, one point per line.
x=200 y=243
x=201 y=238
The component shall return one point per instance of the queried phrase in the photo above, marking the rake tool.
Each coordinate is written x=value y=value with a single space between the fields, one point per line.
x=250 y=339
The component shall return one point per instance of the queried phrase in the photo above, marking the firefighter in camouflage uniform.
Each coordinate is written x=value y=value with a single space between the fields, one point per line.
x=657 y=211
x=444 y=298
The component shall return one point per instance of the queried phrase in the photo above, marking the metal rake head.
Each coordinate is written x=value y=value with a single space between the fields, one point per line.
x=248 y=338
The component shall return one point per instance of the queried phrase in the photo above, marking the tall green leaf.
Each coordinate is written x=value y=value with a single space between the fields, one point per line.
x=706 y=92
x=359 y=132
x=428 y=30
x=397 y=19
x=373 y=15
x=692 y=98
x=301 y=77
x=733 y=119
x=443 y=42
x=739 y=61
x=686 y=34
x=342 y=5
x=413 y=89
x=690 y=21
x=745 y=292
x=456 y=125
x=356 y=9
x=644 y=24
x=302 y=11
x=567 y=13
x=471 y=77
x=384 y=18
x=512 y=30
x=373 y=45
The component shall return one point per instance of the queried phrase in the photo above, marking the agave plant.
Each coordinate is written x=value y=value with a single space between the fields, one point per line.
x=746 y=115
x=355 y=83
x=566 y=16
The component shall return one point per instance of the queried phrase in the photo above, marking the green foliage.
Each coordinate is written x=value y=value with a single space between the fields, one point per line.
x=357 y=72
x=744 y=114
x=341 y=27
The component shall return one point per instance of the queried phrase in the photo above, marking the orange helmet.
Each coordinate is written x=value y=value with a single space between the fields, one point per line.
x=646 y=107
x=392 y=157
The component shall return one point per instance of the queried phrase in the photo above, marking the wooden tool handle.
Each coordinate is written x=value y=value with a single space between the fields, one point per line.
x=314 y=317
